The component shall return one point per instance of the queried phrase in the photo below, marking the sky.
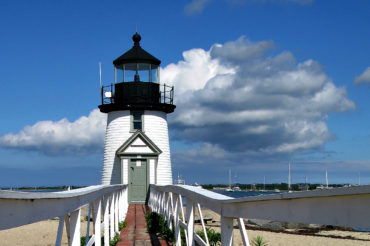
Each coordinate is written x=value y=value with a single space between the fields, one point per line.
x=258 y=84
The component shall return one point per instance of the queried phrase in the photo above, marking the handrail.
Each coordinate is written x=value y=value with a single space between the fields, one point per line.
x=340 y=206
x=21 y=208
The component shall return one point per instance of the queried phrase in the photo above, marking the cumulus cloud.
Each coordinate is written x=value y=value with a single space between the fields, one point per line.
x=364 y=77
x=234 y=100
x=240 y=99
x=85 y=135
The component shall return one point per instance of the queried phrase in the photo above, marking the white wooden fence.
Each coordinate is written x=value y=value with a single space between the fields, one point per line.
x=22 y=208
x=348 y=207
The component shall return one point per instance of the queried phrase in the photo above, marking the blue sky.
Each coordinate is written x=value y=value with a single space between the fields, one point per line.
x=258 y=84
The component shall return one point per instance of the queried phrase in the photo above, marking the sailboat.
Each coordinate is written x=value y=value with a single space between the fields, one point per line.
x=326 y=181
x=180 y=181
x=229 y=188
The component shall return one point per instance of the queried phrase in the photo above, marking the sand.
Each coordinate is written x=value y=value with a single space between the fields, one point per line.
x=44 y=233
x=40 y=233
x=285 y=239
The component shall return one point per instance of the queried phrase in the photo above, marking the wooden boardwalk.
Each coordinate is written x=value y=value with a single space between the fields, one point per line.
x=135 y=233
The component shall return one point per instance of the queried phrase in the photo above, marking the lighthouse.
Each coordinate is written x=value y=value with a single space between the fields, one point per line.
x=136 y=144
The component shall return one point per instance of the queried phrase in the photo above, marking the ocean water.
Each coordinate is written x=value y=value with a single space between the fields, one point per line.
x=237 y=194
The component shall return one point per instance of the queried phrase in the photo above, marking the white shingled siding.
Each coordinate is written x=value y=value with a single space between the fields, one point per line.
x=156 y=128
x=118 y=131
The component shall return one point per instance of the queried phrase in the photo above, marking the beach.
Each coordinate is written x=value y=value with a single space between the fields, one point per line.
x=36 y=234
x=291 y=237
x=44 y=233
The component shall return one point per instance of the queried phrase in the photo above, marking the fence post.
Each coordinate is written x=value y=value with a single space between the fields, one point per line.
x=88 y=225
x=227 y=231
x=125 y=201
x=176 y=220
x=190 y=221
x=170 y=210
x=203 y=225
x=243 y=232
x=58 y=241
x=106 y=220
x=111 y=216
x=116 y=197
x=75 y=228
x=97 y=221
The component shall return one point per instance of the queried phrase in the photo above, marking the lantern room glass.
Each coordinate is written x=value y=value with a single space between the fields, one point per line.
x=135 y=72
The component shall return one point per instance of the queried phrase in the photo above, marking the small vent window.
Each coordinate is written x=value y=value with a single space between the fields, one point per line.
x=137 y=120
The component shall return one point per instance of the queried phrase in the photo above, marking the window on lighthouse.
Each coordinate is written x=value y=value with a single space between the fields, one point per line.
x=136 y=120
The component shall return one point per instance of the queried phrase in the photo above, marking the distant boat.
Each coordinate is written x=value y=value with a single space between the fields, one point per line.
x=236 y=188
x=322 y=187
x=180 y=181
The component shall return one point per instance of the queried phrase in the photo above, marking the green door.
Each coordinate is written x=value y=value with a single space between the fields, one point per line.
x=138 y=181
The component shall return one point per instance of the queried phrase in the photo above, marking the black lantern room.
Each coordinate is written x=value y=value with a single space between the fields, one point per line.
x=137 y=83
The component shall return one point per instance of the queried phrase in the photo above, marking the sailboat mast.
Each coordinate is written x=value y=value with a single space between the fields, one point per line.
x=305 y=184
x=326 y=177
x=359 y=179
x=289 y=178
x=230 y=178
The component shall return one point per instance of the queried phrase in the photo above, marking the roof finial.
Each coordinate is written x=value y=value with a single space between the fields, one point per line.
x=136 y=38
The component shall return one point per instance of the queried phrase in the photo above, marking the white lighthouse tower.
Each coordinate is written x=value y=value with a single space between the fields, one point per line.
x=136 y=146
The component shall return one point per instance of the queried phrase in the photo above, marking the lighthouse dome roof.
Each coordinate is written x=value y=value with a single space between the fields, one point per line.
x=136 y=54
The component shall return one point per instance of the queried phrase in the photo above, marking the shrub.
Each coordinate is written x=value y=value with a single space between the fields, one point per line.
x=156 y=224
x=83 y=241
x=258 y=241
x=115 y=240
x=122 y=225
x=214 y=237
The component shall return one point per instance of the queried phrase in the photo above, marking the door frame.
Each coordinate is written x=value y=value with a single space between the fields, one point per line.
x=144 y=156
x=128 y=151
x=131 y=162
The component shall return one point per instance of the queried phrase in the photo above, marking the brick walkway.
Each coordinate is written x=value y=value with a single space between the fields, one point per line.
x=135 y=233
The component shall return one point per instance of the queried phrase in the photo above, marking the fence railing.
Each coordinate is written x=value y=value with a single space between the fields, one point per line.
x=165 y=94
x=105 y=201
x=347 y=207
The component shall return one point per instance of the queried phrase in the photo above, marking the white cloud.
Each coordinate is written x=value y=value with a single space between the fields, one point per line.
x=85 y=135
x=237 y=97
x=197 y=6
x=232 y=100
x=364 y=77
x=199 y=66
